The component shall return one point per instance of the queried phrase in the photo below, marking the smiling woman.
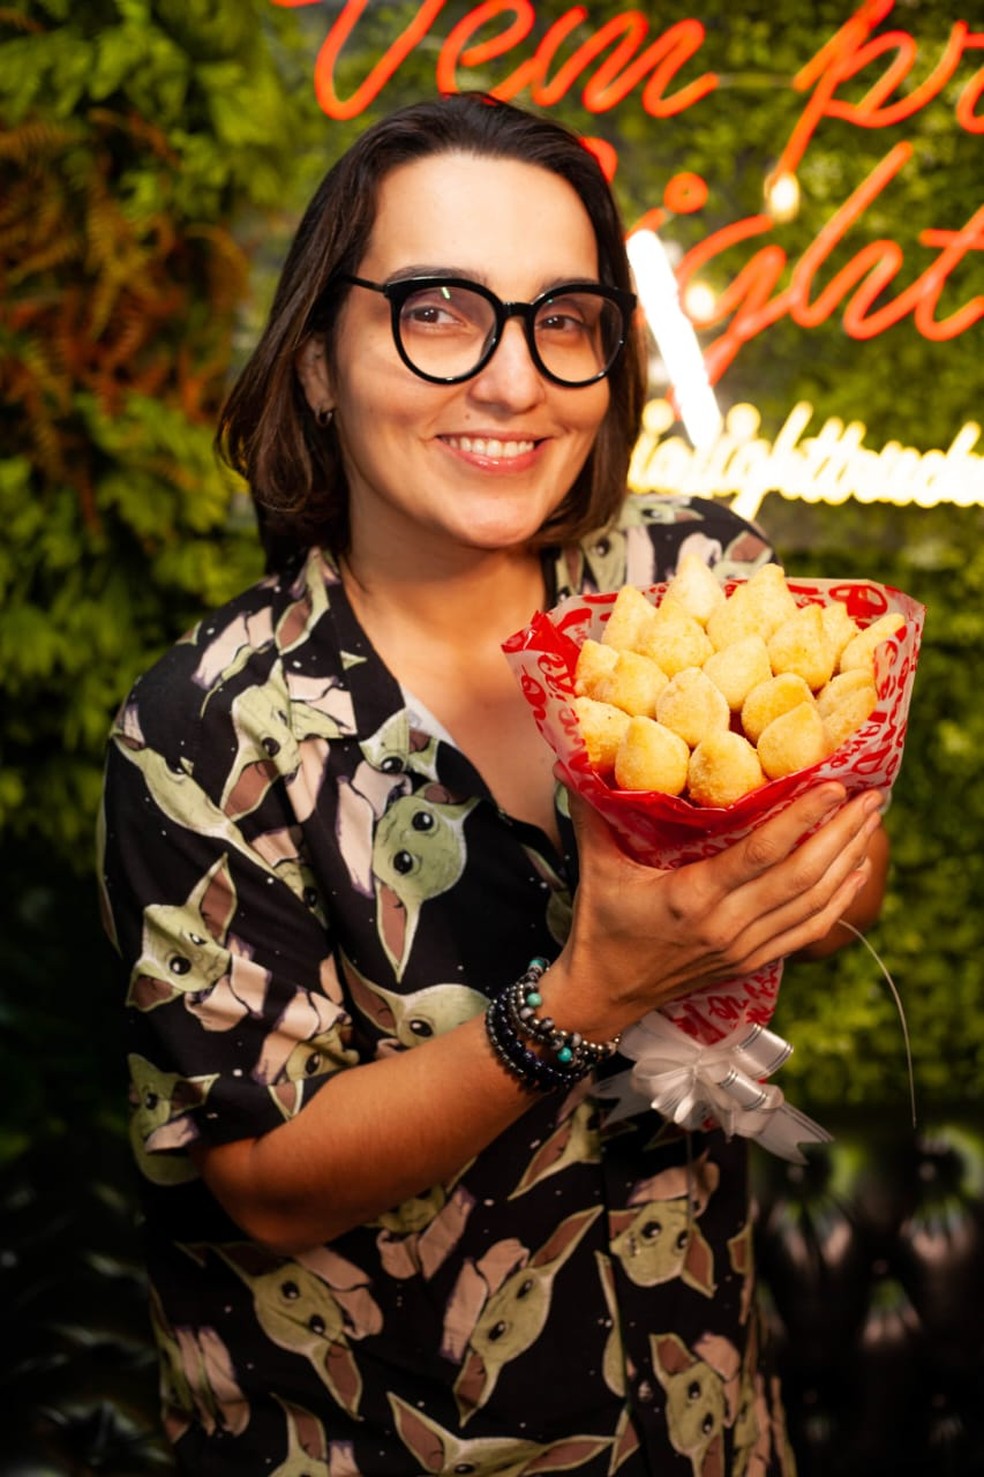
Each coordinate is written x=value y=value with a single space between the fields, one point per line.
x=350 y=895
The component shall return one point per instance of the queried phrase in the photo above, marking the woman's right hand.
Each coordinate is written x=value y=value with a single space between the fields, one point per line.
x=641 y=937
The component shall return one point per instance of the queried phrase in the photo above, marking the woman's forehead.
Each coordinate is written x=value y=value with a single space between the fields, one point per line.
x=483 y=215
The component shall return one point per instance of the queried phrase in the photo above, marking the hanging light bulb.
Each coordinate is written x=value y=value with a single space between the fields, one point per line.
x=699 y=300
x=782 y=196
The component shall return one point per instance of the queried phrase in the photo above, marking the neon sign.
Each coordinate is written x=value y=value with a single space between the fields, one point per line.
x=623 y=54
x=830 y=466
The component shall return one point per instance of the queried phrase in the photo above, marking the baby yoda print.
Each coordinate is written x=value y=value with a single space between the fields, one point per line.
x=613 y=1363
x=197 y=1378
x=226 y=653
x=390 y=757
x=281 y=729
x=701 y=1388
x=418 y=1236
x=312 y=1306
x=187 y=951
x=753 y=1430
x=741 y=1254
x=418 y=852
x=440 y=1451
x=398 y=746
x=406 y=1020
x=175 y=791
x=605 y=558
x=283 y=851
x=656 y=1238
x=308 y=1452
x=559 y=904
x=575 y=1140
x=500 y=1307
x=309 y=1039
x=161 y=1109
x=367 y=843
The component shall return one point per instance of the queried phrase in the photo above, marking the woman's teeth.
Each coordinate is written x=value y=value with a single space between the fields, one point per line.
x=489 y=446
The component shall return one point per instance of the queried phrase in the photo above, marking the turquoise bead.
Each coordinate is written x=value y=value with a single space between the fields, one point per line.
x=565 y=1055
x=534 y=998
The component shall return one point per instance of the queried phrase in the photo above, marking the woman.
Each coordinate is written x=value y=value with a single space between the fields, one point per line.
x=332 y=834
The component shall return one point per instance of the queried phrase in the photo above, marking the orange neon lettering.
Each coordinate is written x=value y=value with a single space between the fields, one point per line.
x=869 y=112
x=847 y=54
x=614 y=78
x=970 y=121
x=719 y=241
x=663 y=58
x=881 y=261
x=456 y=52
x=618 y=51
x=802 y=311
x=604 y=152
x=551 y=92
x=754 y=310
x=749 y=296
x=749 y=291
x=324 y=68
x=682 y=41
x=955 y=248
x=826 y=69
x=532 y=72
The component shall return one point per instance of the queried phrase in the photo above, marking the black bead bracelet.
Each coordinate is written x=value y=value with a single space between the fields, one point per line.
x=511 y=1018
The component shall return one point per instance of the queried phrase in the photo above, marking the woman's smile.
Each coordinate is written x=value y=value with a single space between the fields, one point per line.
x=510 y=453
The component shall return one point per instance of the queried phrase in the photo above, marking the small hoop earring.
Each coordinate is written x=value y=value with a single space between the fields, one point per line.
x=324 y=415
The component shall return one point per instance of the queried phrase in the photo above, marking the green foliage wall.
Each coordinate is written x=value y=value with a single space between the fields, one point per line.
x=148 y=149
x=140 y=140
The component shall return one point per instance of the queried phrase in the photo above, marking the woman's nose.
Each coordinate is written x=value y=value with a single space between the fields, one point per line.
x=510 y=377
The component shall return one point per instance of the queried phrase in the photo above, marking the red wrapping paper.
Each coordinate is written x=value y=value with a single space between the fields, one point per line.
x=667 y=831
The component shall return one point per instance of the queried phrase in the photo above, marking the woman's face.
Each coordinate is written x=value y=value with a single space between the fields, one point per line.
x=478 y=465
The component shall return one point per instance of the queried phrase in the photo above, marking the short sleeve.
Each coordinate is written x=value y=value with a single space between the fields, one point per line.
x=234 y=1006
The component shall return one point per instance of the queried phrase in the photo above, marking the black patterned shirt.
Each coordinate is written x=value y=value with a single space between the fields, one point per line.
x=302 y=873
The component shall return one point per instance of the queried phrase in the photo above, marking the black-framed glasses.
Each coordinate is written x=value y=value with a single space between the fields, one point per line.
x=446 y=329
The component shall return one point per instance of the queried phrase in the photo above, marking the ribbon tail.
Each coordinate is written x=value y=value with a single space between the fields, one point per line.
x=628 y=1099
x=786 y=1129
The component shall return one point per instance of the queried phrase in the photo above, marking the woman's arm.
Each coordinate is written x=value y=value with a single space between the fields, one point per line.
x=381 y=1132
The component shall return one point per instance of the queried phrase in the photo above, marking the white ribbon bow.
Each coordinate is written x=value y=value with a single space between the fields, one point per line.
x=694 y=1085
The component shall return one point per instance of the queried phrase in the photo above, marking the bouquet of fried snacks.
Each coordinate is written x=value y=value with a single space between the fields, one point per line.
x=688 y=713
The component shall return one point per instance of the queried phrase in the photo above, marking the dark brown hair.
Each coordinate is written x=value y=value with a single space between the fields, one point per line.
x=267 y=431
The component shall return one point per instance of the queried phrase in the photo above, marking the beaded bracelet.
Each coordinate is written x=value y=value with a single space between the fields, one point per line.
x=532 y=1071
x=511 y=1015
x=570 y=1048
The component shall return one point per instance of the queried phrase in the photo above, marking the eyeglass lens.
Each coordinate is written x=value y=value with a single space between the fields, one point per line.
x=446 y=330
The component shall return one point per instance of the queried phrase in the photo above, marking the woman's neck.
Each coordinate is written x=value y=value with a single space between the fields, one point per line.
x=471 y=598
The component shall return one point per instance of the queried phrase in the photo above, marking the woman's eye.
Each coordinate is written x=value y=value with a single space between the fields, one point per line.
x=437 y=309
x=427 y=313
x=566 y=325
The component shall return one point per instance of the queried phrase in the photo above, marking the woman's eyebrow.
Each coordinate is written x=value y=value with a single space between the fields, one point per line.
x=439 y=269
x=460 y=274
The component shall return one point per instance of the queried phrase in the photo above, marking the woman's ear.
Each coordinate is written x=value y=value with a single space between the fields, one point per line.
x=311 y=365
